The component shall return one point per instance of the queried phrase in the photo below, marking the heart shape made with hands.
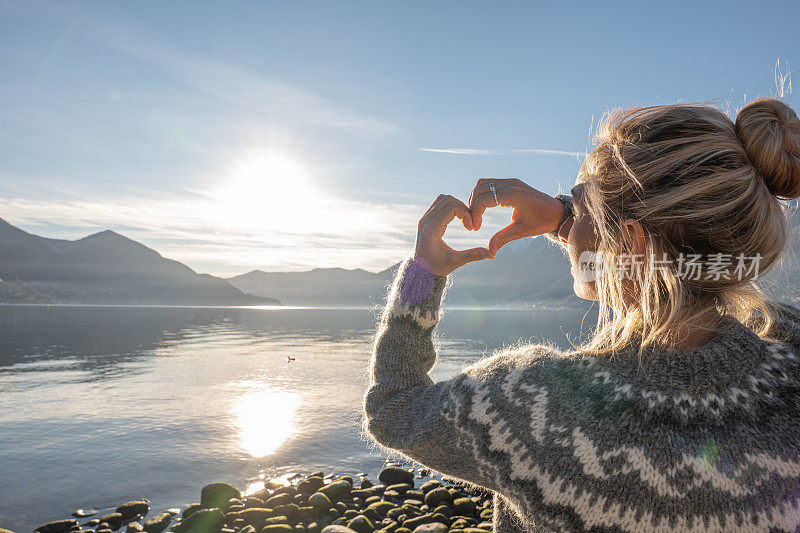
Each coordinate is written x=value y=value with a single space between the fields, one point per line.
x=534 y=213
x=461 y=237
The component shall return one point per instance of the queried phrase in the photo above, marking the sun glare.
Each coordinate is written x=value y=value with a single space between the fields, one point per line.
x=272 y=191
x=266 y=420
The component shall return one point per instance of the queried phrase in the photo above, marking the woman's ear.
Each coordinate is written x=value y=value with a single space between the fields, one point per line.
x=633 y=234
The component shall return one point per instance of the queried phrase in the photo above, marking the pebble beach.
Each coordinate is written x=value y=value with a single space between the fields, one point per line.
x=398 y=501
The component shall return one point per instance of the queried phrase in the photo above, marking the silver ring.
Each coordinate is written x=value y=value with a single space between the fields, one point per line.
x=494 y=192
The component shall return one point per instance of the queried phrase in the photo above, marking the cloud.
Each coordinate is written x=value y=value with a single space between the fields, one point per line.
x=211 y=235
x=503 y=151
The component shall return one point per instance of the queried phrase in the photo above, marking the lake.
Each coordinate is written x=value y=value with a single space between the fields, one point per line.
x=101 y=405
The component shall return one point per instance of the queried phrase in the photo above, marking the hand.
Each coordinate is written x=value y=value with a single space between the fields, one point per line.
x=535 y=213
x=430 y=247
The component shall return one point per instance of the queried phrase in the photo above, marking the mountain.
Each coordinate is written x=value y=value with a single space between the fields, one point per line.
x=107 y=268
x=523 y=272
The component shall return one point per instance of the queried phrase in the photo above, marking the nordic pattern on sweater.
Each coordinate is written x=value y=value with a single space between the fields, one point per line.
x=697 y=440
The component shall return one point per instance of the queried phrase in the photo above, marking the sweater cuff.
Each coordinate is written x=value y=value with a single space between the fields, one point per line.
x=418 y=293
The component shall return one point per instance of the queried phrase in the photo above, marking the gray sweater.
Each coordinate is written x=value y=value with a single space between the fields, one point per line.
x=698 y=440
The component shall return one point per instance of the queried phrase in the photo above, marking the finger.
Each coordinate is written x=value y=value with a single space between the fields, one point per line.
x=481 y=187
x=462 y=257
x=451 y=209
x=441 y=202
x=512 y=232
x=445 y=211
x=486 y=200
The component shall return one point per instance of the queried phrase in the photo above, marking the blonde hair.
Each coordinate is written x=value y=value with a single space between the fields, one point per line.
x=698 y=183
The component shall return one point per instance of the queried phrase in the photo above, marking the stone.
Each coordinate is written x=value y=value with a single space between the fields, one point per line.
x=430 y=485
x=290 y=510
x=434 y=527
x=279 y=499
x=191 y=508
x=157 y=523
x=392 y=475
x=320 y=501
x=333 y=528
x=217 y=495
x=277 y=528
x=134 y=527
x=252 y=501
x=114 y=520
x=204 y=520
x=310 y=485
x=59 y=526
x=83 y=513
x=438 y=496
x=381 y=508
x=255 y=516
x=336 y=490
x=464 y=506
x=365 y=483
x=133 y=509
x=361 y=524
x=412 y=523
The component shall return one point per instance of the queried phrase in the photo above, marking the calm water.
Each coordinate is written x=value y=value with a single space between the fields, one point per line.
x=100 y=405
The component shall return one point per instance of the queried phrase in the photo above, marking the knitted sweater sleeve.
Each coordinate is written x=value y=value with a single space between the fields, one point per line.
x=404 y=410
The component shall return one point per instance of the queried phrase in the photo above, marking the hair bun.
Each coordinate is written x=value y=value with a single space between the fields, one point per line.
x=769 y=130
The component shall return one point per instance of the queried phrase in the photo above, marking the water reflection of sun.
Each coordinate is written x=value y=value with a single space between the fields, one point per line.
x=265 y=418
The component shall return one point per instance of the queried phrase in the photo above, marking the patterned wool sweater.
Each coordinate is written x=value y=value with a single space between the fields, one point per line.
x=706 y=439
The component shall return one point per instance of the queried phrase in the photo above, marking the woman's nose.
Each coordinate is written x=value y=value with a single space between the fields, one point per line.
x=563 y=232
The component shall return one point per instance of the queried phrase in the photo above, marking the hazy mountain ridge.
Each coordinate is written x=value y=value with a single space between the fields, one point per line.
x=106 y=268
x=109 y=268
x=523 y=272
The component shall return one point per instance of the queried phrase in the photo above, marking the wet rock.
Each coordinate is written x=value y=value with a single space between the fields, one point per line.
x=277 y=528
x=464 y=506
x=252 y=501
x=204 y=520
x=337 y=529
x=134 y=508
x=134 y=527
x=381 y=508
x=320 y=501
x=157 y=523
x=280 y=499
x=61 y=526
x=310 y=485
x=392 y=475
x=217 y=495
x=434 y=527
x=191 y=508
x=336 y=490
x=438 y=496
x=361 y=524
x=114 y=520
x=413 y=523
x=255 y=516
x=83 y=513
x=430 y=485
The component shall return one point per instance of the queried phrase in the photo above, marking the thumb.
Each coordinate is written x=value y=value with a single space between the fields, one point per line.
x=473 y=254
x=512 y=232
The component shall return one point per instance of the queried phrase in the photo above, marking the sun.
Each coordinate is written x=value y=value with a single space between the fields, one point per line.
x=272 y=190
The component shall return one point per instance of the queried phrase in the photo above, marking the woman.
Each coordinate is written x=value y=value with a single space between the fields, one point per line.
x=682 y=412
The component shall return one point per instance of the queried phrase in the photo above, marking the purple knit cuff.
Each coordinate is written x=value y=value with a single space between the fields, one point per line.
x=417 y=282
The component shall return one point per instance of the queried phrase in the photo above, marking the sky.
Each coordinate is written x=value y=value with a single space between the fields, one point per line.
x=293 y=135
